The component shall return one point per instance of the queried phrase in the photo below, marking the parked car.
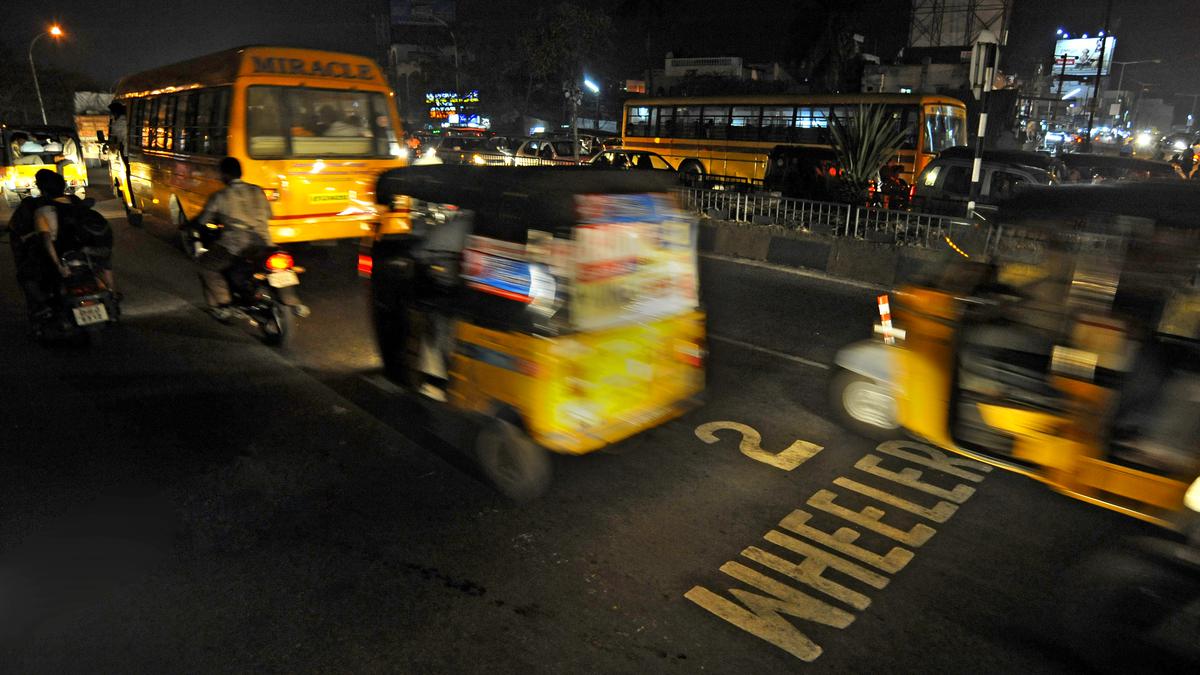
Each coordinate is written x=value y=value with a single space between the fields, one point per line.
x=631 y=159
x=944 y=187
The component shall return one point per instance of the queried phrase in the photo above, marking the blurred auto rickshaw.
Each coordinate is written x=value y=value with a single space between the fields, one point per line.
x=1068 y=350
x=555 y=309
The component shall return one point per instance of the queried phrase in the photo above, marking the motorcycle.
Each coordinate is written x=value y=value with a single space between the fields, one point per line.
x=263 y=286
x=82 y=307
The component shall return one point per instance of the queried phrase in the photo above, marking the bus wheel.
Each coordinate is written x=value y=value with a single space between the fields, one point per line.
x=516 y=466
x=691 y=172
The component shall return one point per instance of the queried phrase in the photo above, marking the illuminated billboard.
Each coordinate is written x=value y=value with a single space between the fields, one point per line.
x=1082 y=56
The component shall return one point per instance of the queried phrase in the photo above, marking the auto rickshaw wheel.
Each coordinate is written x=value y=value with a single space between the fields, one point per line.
x=864 y=406
x=511 y=461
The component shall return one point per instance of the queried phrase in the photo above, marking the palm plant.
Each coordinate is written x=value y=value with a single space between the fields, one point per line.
x=863 y=144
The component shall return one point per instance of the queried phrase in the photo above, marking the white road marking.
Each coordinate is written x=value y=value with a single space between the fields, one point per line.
x=794 y=271
x=777 y=354
x=383 y=384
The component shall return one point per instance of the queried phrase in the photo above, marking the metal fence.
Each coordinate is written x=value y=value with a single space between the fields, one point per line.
x=902 y=228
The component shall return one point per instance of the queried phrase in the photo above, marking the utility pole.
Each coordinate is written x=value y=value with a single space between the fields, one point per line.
x=983 y=70
x=574 y=96
x=1062 y=78
x=1104 y=37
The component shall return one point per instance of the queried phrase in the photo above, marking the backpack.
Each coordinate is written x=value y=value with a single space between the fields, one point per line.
x=81 y=226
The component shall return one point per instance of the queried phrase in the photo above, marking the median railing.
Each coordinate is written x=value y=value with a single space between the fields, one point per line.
x=902 y=228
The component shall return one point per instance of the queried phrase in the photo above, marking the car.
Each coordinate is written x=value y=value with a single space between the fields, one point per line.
x=478 y=150
x=631 y=159
x=548 y=150
x=944 y=186
x=1095 y=168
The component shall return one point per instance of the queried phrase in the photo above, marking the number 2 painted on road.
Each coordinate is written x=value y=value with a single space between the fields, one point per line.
x=791 y=457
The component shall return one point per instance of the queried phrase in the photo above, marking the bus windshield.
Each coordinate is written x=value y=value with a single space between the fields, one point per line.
x=302 y=122
x=945 y=127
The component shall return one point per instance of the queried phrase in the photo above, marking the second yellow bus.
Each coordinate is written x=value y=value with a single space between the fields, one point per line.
x=734 y=135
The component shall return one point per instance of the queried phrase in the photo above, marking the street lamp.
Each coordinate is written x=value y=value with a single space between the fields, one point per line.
x=591 y=86
x=54 y=32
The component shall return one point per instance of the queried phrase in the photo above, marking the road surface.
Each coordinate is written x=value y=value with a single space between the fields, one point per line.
x=181 y=498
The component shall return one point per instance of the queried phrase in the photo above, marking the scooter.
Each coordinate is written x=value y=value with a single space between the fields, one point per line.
x=83 y=306
x=263 y=286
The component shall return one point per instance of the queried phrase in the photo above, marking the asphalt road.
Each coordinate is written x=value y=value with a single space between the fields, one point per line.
x=181 y=498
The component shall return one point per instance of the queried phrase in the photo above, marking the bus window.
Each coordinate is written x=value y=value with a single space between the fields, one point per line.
x=905 y=117
x=641 y=121
x=218 y=137
x=945 y=127
x=716 y=121
x=743 y=123
x=264 y=123
x=777 y=123
x=286 y=121
x=685 y=123
x=812 y=125
x=149 y=121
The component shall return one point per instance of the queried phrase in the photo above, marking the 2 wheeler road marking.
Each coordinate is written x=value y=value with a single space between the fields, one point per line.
x=789 y=458
x=771 y=352
x=762 y=612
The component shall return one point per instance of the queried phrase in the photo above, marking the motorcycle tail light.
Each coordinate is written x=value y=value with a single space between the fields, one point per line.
x=279 y=261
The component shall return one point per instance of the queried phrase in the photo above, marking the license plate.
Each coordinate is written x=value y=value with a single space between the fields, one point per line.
x=86 y=316
x=283 y=279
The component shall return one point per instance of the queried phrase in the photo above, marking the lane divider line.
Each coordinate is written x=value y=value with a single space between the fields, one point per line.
x=777 y=354
x=382 y=383
x=795 y=271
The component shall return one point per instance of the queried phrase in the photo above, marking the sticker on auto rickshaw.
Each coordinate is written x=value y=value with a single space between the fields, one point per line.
x=635 y=257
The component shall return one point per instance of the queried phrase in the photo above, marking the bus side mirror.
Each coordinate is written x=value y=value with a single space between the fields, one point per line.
x=99 y=136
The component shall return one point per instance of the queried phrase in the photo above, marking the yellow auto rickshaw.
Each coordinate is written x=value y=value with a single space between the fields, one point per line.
x=25 y=150
x=557 y=308
x=1070 y=351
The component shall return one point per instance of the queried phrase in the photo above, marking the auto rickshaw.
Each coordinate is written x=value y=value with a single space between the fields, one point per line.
x=25 y=150
x=554 y=308
x=1070 y=352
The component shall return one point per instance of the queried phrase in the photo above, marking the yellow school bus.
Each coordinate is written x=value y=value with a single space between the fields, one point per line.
x=734 y=135
x=313 y=128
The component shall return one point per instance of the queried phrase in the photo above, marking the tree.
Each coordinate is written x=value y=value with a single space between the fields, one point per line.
x=863 y=144
x=18 y=100
x=564 y=39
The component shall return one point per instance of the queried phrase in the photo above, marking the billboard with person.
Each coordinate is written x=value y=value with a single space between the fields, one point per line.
x=1081 y=56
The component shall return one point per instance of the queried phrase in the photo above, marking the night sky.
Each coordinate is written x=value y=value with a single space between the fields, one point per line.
x=108 y=40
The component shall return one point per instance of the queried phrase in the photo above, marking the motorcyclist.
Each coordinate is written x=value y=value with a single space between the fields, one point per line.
x=243 y=211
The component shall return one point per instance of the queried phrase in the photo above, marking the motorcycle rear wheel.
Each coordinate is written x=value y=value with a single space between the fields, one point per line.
x=276 y=327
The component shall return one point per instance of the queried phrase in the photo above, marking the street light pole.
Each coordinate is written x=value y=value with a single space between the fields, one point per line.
x=1121 y=77
x=54 y=31
x=1099 y=71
